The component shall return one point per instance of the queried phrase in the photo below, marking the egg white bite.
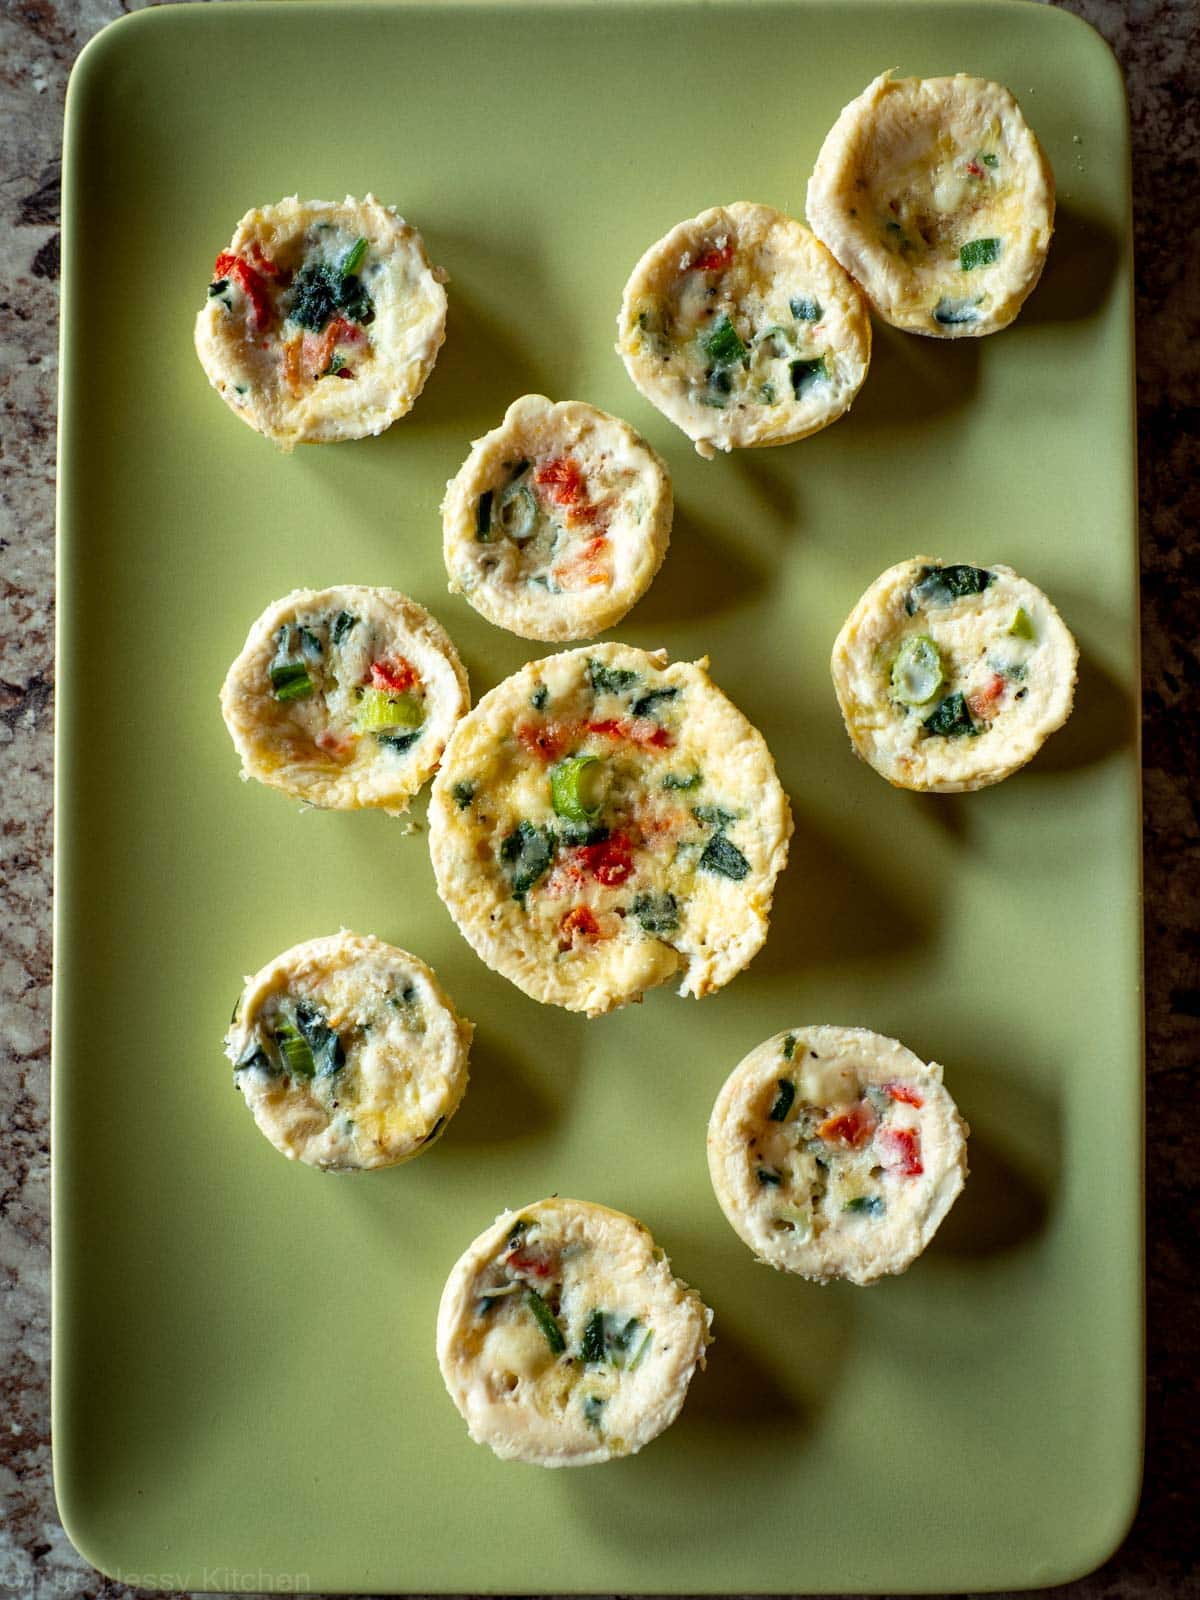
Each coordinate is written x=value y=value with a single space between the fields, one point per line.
x=950 y=677
x=323 y=319
x=936 y=196
x=563 y=1337
x=603 y=821
x=741 y=327
x=557 y=521
x=836 y=1153
x=349 y=1053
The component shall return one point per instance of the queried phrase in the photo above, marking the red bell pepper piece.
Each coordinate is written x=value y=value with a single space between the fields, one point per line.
x=255 y=290
x=610 y=861
x=902 y=1092
x=853 y=1127
x=715 y=260
x=902 y=1147
x=393 y=674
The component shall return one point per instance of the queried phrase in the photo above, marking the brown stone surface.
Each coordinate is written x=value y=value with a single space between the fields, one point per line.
x=1156 y=41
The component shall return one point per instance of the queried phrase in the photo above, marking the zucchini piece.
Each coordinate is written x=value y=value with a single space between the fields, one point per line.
x=917 y=673
x=378 y=709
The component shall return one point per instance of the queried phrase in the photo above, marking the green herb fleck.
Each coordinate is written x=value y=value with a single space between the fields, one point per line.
x=768 y=1178
x=593 y=1410
x=951 y=718
x=342 y=625
x=483 y=517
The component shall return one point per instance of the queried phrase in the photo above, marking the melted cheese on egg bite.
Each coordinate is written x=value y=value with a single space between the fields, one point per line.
x=936 y=196
x=603 y=821
x=349 y=1053
x=742 y=329
x=836 y=1153
x=563 y=1337
x=557 y=521
x=950 y=677
x=344 y=698
x=323 y=320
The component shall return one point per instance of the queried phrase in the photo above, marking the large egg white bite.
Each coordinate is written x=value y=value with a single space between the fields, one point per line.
x=344 y=698
x=349 y=1053
x=557 y=521
x=604 y=821
x=836 y=1153
x=563 y=1337
x=323 y=319
x=936 y=196
x=950 y=677
x=742 y=329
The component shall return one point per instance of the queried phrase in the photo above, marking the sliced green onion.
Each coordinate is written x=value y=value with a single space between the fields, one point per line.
x=573 y=788
x=294 y=1050
x=483 y=517
x=917 y=673
x=641 y=1351
x=545 y=1320
x=951 y=718
x=723 y=344
x=352 y=260
x=290 y=681
x=377 y=709
x=1021 y=626
x=518 y=512
x=723 y=858
x=783 y=1100
x=978 y=253
x=591 y=1346
x=805 y=309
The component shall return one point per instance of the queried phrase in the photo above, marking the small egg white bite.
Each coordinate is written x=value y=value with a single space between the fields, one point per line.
x=557 y=521
x=950 y=677
x=349 y=1053
x=323 y=319
x=742 y=329
x=936 y=196
x=344 y=698
x=836 y=1153
x=603 y=821
x=563 y=1337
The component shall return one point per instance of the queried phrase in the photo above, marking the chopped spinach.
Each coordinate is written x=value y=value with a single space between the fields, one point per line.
x=610 y=680
x=657 y=913
x=463 y=793
x=593 y=1410
x=604 y=1342
x=518 y=1230
x=674 y=780
x=540 y=697
x=940 y=585
x=805 y=309
x=806 y=372
x=990 y=160
x=950 y=312
x=714 y=817
x=254 y=1056
x=723 y=345
x=342 y=625
x=789 y=1047
x=398 y=740
x=327 y=1053
x=577 y=833
x=646 y=702
x=866 y=1205
x=723 y=858
x=527 y=853
x=321 y=291
x=950 y=718
x=219 y=287
x=783 y=1100
x=591 y=1346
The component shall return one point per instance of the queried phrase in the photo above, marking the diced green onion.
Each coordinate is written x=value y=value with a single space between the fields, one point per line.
x=917 y=673
x=290 y=681
x=675 y=780
x=483 y=517
x=990 y=160
x=378 y=709
x=951 y=718
x=342 y=625
x=978 y=253
x=294 y=1051
x=593 y=1410
x=723 y=858
x=783 y=1100
x=723 y=344
x=545 y=1320
x=352 y=260
x=866 y=1205
x=805 y=309
x=950 y=312
x=1021 y=626
x=398 y=740
x=789 y=1047
x=518 y=1231
x=573 y=788
x=805 y=373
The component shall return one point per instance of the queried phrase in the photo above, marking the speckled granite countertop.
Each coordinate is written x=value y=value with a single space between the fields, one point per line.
x=1157 y=43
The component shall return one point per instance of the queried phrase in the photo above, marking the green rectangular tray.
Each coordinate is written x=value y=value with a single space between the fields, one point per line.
x=245 y=1389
